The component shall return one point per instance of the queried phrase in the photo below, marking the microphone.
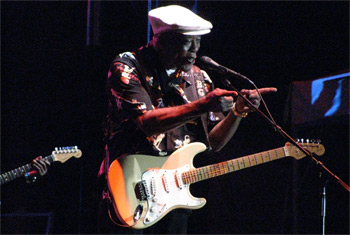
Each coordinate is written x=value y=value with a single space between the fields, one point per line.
x=213 y=65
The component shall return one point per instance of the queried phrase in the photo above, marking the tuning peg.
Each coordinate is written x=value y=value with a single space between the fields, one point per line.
x=307 y=141
x=298 y=140
x=67 y=149
x=318 y=141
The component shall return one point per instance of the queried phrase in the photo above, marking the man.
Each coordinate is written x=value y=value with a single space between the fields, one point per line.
x=159 y=101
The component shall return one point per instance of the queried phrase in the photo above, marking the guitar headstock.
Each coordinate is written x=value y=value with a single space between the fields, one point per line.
x=295 y=152
x=62 y=154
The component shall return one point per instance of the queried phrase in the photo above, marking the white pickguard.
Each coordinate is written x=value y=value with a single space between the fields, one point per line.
x=166 y=191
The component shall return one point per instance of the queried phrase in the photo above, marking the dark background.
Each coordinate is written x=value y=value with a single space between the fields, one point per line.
x=52 y=95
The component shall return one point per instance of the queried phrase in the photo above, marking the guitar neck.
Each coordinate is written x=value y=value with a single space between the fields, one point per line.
x=233 y=165
x=20 y=171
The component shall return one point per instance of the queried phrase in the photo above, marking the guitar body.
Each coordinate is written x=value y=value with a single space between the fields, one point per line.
x=146 y=188
x=143 y=195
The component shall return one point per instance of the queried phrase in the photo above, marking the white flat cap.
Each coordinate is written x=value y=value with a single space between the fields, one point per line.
x=178 y=19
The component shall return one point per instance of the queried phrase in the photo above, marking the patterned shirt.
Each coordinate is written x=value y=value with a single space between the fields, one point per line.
x=137 y=83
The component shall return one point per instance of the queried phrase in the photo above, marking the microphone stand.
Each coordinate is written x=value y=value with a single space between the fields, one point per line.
x=280 y=130
x=277 y=128
x=323 y=206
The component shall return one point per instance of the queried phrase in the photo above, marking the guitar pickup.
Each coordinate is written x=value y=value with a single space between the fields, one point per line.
x=178 y=180
x=165 y=183
x=153 y=186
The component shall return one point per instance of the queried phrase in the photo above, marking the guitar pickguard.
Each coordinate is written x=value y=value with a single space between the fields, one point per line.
x=166 y=191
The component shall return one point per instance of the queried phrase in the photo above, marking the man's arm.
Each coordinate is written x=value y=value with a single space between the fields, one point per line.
x=164 y=119
x=226 y=128
x=156 y=121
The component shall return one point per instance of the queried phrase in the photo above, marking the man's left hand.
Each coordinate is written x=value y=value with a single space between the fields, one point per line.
x=41 y=165
x=252 y=95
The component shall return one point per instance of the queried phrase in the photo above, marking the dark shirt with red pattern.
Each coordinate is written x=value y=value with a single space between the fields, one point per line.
x=137 y=83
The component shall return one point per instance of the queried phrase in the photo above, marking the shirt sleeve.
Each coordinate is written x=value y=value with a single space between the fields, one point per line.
x=125 y=91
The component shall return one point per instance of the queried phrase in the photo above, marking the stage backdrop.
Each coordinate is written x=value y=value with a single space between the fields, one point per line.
x=54 y=61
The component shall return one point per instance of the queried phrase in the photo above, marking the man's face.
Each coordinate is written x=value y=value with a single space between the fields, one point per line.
x=180 y=51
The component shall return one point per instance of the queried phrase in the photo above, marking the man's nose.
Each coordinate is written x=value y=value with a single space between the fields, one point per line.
x=194 y=46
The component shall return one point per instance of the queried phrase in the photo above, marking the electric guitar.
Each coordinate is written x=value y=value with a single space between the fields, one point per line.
x=145 y=188
x=61 y=154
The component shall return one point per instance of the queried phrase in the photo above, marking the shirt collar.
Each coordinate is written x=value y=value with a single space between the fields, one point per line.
x=175 y=74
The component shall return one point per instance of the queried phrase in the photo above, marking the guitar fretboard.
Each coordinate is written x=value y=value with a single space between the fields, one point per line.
x=237 y=164
x=20 y=171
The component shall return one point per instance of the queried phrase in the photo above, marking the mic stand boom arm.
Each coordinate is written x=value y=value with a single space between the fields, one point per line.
x=279 y=129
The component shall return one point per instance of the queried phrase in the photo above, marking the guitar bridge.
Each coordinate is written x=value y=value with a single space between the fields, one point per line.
x=141 y=191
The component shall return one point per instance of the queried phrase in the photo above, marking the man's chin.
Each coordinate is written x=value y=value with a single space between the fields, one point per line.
x=186 y=67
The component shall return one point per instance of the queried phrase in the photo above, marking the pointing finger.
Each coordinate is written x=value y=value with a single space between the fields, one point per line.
x=267 y=90
x=229 y=93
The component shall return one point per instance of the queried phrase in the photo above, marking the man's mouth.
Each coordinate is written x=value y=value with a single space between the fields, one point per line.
x=190 y=60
